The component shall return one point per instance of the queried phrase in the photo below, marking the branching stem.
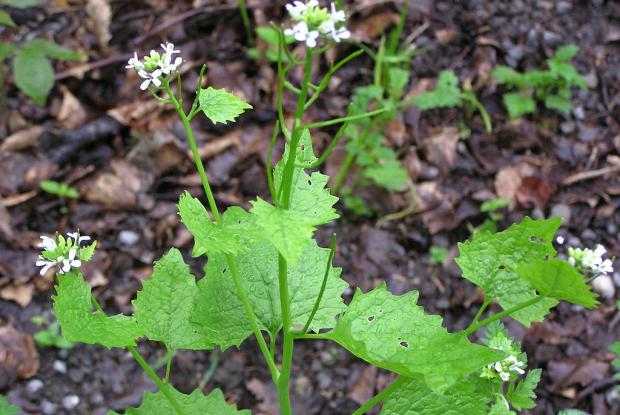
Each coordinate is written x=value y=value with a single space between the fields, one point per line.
x=380 y=397
x=475 y=326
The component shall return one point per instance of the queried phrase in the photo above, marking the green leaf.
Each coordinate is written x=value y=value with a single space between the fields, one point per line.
x=615 y=348
x=490 y=261
x=195 y=403
x=415 y=398
x=5 y=50
x=385 y=170
x=522 y=397
x=288 y=230
x=73 y=309
x=5 y=19
x=494 y=204
x=6 y=408
x=33 y=74
x=507 y=75
x=446 y=94
x=568 y=73
x=558 y=279
x=519 y=104
x=500 y=407
x=309 y=195
x=59 y=189
x=210 y=237
x=86 y=252
x=164 y=305
x=221 y=106
x=398 y=80
x=393 y=333
x=21 y=4
x=219 y=314
x=566 y=53
x=540 y=79
x=52 y=50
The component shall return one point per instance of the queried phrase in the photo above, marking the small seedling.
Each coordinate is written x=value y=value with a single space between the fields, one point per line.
x=552 y=87
x=447 y=94
x=61 y=190
x=438 y=255
x=49 y=336
x=493 y=208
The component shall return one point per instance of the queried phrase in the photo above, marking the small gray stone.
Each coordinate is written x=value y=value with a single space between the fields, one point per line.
x=70 y=402
x=612 y=228
x=97 y=398
x=538 y=214
x=60 y=366
x=563 y=6
x=579 y=113
x=588 y=235
x=128 y=238
x=48 y=408
x=551 y=37
x=562 y=211
x=34 y=386
x=567 y=127
x=604 y=285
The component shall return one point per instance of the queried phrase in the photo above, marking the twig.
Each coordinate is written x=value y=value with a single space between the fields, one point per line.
x=589 y=175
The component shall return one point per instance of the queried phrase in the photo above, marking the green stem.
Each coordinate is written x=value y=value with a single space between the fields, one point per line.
x=330 y=147
x=342 y=173
x=380 y=397
x=323 y=285
x=245 y=17
x=475 y=326
x=160 y=385
x=312 y=336
x=325 y=81
x=214 y=359
x=229 y=259
x=483 y=307
x=282 y=385
x=268 y=168
x=321 y=124
x=245 y=302
x=169 y=354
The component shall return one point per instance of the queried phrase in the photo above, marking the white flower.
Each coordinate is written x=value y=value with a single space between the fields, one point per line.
x=560 y=240
x=166 y=66
x=47 y=243
x=169 y=49
x=604 y=268
x=150 y=78
x=505 y=376
x=135 y=63
x=515 y=364
x=42 y=262
x=298 y=8
x=68 y=263
x=302 y=34
x=78 y=239
x=341 y=34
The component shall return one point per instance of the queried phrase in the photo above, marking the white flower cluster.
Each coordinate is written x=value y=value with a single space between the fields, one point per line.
x=155 y=65
x=504 y=367
x=591 y=260
x=65 y=250
x=314 y=21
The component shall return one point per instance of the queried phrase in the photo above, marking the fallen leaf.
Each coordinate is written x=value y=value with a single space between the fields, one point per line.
x=18 y=356
x=71 y=114
x=22 y=139
x=6 y=230
x=364 y=387
x=21 y=294
x=533 y=190
x=508 y=180
x=100 y=14
x=440 y=148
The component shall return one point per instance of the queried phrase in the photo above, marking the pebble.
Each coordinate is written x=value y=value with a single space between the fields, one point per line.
x=551 y=37
x=60 y=366
x=563 y=6
x=604 y=285
x=48 y=408
x=429 y=173
x=567 y=127
x=562 y=211
x=588 y=235
x=128 y=238
x=97 y=398
x=70 y=402
x=537 y=213
x=579 y=113
x=34 y=386
x=612 y=228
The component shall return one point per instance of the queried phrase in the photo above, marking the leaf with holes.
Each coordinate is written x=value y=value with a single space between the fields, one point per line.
x=221 y=106
x=79 y=323
x=393 y=333
x=309 y=195
x=195 y=403
x=491 y=260
x=558 y=279
x=218 y=312
x=163 y=306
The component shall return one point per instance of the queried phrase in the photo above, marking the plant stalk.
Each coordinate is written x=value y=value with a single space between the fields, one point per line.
x=475 y=326
x=160 y=385
x=380 y=397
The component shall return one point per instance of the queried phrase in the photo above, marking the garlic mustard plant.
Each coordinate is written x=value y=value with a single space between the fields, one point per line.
x=266 y=277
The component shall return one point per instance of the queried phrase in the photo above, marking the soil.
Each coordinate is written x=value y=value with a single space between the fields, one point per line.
x=128 y=158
